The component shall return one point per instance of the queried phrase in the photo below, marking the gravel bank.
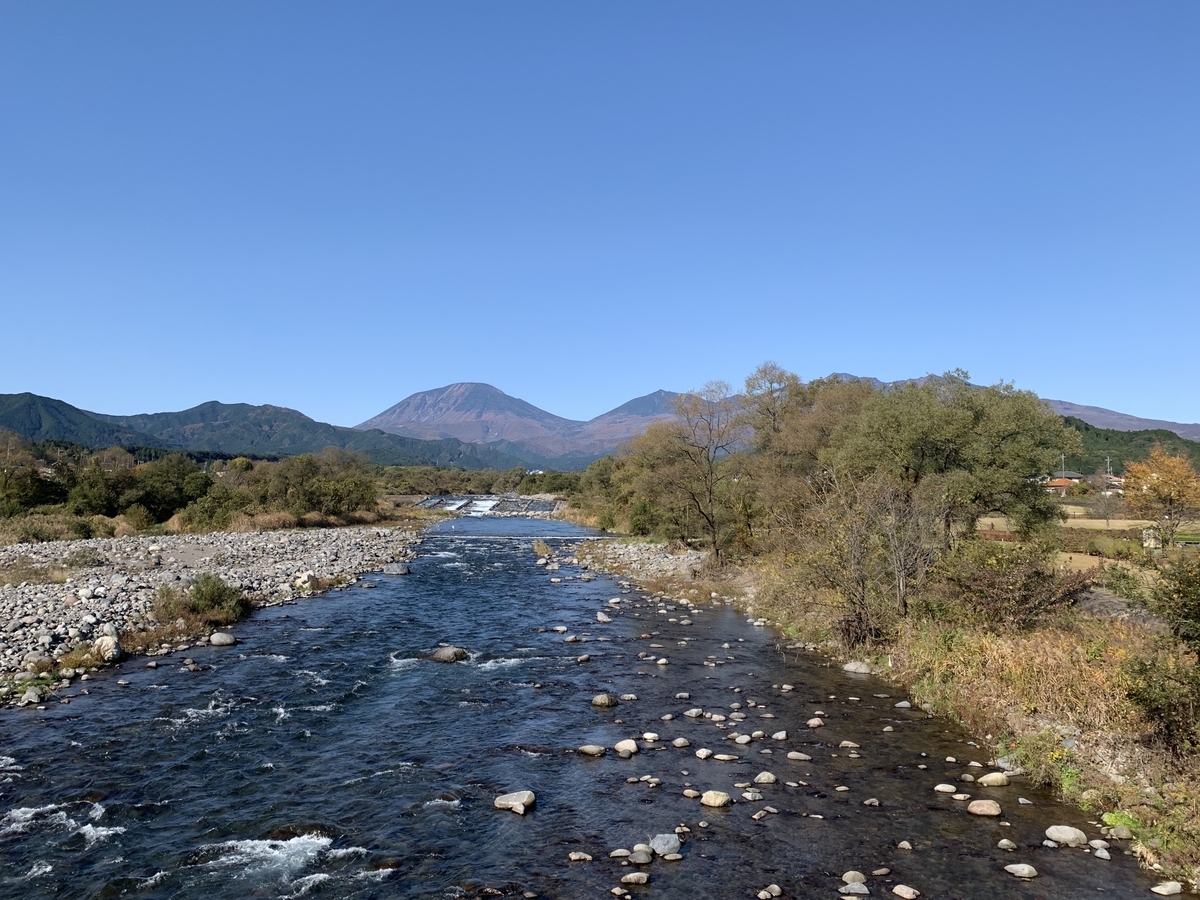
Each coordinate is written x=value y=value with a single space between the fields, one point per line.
x=40 y=620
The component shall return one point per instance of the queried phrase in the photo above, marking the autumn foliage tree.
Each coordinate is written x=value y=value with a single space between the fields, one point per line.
x=1164 y=488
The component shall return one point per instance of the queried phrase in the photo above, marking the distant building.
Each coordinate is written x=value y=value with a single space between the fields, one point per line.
x=1060 y=486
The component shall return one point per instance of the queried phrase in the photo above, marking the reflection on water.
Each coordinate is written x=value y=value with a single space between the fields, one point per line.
x=325 y=757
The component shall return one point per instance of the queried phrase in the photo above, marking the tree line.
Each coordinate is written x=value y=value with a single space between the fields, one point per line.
x=860 y=497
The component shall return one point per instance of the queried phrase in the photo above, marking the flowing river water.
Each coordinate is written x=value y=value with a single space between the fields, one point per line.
x=323 y=756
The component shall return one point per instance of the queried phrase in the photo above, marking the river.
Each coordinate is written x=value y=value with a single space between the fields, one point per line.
x=324 y=757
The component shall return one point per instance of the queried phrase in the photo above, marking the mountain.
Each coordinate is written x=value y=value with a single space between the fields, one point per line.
x=234 y=428
x=475 y=412
x=46 y=419
x=1118 y=421
x=1118 y=446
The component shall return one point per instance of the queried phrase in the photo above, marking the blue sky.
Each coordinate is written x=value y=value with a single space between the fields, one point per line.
x=331 y=206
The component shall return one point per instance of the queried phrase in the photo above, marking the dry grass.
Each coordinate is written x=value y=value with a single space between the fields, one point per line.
x=23 y=569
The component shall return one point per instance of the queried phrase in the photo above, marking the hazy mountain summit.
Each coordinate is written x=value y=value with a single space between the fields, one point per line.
x=481 y=413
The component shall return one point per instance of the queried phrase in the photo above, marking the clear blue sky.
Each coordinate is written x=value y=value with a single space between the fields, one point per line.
x=331 y=206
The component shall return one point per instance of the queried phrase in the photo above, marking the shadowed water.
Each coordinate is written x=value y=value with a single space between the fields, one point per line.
x=323 y=757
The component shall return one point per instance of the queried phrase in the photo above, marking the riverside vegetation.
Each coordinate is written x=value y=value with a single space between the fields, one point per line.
x=851 y=515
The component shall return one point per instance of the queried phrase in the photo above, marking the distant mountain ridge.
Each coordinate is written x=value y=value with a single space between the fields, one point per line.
x=481 y=413
x=1119 y=421
x=234 y=428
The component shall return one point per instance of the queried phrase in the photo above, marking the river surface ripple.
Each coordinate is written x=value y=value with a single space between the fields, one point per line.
x=323 y=757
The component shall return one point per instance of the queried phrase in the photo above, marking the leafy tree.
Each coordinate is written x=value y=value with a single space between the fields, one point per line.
x=982 y=447
x=1164 y=488
x=689 y=461
x=1176 y=599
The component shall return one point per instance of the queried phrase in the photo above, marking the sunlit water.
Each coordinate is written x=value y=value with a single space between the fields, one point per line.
x=323 y=757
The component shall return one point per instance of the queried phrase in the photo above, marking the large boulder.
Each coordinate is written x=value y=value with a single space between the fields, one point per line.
x=448 y=654
x=664 y=844
x=715 y=799
x=107 y=648
x=1066 y=834
x=517 y=801
x=222 y=639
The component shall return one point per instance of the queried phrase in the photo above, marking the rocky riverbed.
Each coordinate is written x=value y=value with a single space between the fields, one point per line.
x=76 y=592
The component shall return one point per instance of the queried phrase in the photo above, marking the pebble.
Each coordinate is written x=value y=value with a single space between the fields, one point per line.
x=993 y=779
x=635 y=878
x=906 y=892
x=1006 y=844
x=984 y=808
x=626 y=746
x=576 y=856
x=592 y=750
x=854 y=877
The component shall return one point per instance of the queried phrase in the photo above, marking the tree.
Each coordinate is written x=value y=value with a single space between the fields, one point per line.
x=1164 y=488
x=686 y=466
x=980 y=446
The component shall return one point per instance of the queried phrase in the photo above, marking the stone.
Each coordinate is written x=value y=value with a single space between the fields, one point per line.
x=993 y=779
x=222 y=639
x=396 y=569
x=765 y=778
x=703 y=753
x=714 y=799
x=815 y=722
x=1021 y=870
x=983 y=808
x=577 y=856
x=855 y=889
x=635 y=878
x=665 y=844
x=1006 y=844
x=1101 y=854
x=779 y=736
x=628 y=746
x=904 y=845
x=854 y=877
x=681 y=743
x=1168 y=888
x=1066 y=834
x=847 y=745
x=448 y=654
x=603 y=618
x=903 y=704
x=945 y=789
x=517 y=801
x=858 y=667
x=106 y=648
x=604 y=701
x=592 y=750
x=906 y=892
x=797 y=756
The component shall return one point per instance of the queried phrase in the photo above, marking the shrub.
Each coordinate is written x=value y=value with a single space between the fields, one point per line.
x=1176 y=599
x=83 y=558
x=1122 y=582
x=1010 y=585
x=206 y=602
x=1166 y=690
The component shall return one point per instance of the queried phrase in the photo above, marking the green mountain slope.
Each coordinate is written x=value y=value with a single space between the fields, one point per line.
x=1124 y=446
x=234 y=428
x=242 y=428
x=46 y=419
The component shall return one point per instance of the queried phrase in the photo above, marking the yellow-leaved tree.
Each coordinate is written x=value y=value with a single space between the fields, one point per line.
x=1164 y=488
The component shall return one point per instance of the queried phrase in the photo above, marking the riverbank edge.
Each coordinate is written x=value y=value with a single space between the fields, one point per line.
x=394 y=545
x=1086 y=778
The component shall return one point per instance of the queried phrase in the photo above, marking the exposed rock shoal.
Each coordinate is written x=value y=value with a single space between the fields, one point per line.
x=41 y=621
